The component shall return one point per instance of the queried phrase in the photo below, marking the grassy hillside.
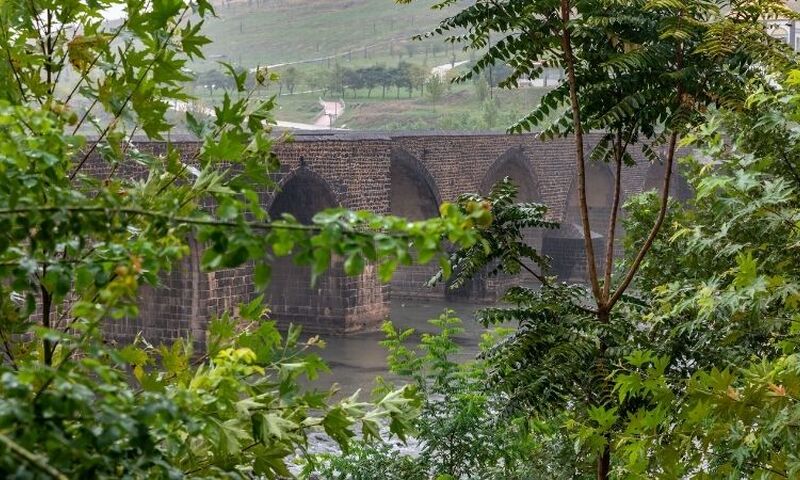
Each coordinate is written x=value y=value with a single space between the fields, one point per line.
x=267 y=32
x=316 y=37
x=460 y=109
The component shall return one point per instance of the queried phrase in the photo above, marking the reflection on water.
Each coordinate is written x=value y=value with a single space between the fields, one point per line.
x=356 y=360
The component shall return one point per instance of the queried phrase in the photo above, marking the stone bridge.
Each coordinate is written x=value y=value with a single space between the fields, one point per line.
x=406 y=174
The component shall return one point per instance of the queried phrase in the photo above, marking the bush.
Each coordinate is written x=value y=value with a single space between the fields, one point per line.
x=460 y=431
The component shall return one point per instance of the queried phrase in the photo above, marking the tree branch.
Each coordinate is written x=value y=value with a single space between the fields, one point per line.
x=662 y=213
x=47 y=347
x=545 y=283
x=152 y=214
x=612 y=222
x=12 y=66
x=97 y=57
x=7 y=348
x=29 y=457
x=261 y=226
x=128 y=98
x=569 y=63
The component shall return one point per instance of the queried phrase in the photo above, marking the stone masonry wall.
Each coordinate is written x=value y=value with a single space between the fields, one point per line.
x=356 y=170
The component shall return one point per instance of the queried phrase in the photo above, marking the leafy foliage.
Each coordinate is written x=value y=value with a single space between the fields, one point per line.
x=87 y=218
x=458 y=431
x=696 y=376
x=629 y=56
x=547 y=370
x=641 y=70
x=237 y=410
x=723 y=325
x=500 y=246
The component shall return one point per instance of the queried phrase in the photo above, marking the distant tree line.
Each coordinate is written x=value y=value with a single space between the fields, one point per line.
x=407 y=76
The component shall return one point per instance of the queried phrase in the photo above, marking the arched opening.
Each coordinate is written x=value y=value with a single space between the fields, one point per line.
x=599 y=191
x=413 y=195
x=291 y=296
x=514 y=165
x=303 y=195
x=565 y=246
x=779 y=32
x=679 y=188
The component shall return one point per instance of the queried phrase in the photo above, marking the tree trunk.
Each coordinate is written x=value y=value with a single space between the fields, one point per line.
x=612 y=221
x=604 y=463
x=47 y=346
x=602 y=387
x=569 y=64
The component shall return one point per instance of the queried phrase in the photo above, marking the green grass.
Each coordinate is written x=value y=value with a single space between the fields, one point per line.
x=278 y=31
x=460 y=109
x=360 y=33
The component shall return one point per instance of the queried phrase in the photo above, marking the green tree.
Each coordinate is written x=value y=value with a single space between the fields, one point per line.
x=372 y=77
x=642 y=71
x=88 y=218
x=717 y=374
x=481 y=89
x=290 y=78
x=490 y=113
x=418 y=74
x=436 y=88
x=352 y=79
x=335 y=79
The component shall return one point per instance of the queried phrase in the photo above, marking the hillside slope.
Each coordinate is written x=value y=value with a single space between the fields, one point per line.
x=319 y=42
x=267 y=32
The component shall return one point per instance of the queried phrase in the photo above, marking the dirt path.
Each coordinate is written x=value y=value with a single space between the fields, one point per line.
x=330 y=112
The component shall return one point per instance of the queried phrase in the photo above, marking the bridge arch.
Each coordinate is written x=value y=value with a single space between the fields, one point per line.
x=414 y=195
x=302 y=193
x=565 y=245
x=413 y=192
x=320 y=307
x=514 y=165
x=599 y=193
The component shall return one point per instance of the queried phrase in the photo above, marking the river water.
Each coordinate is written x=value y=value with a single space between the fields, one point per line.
x=356 y=360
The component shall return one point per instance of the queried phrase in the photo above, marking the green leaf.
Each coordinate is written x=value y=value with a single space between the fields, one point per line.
x=192 y=41
x=268 y=426
x=239 y=77
x=354 y=264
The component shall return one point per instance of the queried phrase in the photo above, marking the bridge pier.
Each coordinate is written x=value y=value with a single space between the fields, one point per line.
x=403 y=174
x=336 y=304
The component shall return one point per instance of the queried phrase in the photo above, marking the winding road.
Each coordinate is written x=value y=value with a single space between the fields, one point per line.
x=441 y=70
